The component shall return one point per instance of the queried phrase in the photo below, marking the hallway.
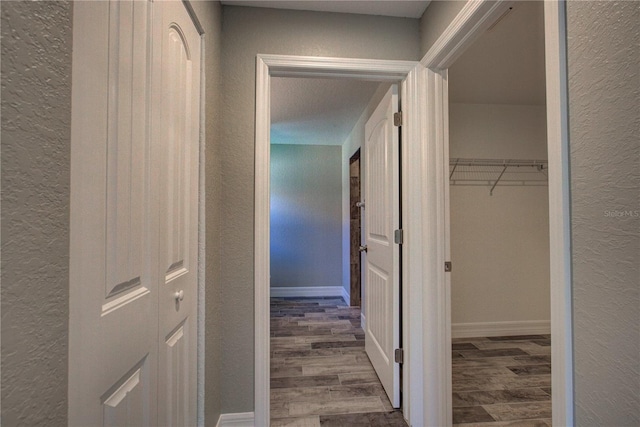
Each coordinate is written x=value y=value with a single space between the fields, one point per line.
x=320 y=373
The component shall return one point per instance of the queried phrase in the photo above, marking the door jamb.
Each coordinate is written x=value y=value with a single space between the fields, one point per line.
x=412 y=75
x=467 y=26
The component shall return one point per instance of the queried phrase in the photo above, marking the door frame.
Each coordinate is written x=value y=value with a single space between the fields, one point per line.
x=474 y=18
x=412 y=76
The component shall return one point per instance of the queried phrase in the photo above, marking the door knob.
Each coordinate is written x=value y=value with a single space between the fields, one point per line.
x=363 y=248
x=179 y=295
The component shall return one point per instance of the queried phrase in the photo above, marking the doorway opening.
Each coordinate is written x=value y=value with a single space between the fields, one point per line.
x=324 y=364
x=355 y=230
x=472 y=21
x=499 y=221
x=270 y=66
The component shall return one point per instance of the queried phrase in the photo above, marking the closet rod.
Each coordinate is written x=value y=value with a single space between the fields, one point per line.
x=541 y=164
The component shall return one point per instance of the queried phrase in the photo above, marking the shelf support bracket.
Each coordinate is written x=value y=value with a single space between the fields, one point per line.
x=498 y=180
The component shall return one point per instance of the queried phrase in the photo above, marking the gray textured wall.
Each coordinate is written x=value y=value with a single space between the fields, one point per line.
x=210 y=15
x=435 y=20
x=306 y=232
x=604 y=117
x=247 y=32
x=36 y=120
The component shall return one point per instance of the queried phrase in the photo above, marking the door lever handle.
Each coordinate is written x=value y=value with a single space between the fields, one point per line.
x=179 y=295
x=363 y=248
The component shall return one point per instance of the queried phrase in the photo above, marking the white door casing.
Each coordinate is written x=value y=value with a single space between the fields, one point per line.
x=474 y=18
x=382 y=259
x=118 y=249
x=412 y=78
x=176 y=127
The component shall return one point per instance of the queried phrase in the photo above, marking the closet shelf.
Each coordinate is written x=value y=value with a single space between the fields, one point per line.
x=494 y=172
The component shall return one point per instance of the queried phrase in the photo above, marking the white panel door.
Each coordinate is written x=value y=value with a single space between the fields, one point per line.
x=382 y=259
x=134 y=198
x=177 y=135
x=113 y=321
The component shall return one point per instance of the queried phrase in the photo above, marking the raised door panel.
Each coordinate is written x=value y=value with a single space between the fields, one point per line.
x=177 y=376
x=128 y=401
x=127 y=175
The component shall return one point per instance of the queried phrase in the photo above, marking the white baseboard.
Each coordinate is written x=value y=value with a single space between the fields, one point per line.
x=362 y=321
x=346 y=296
x=498 y=329
x=307 y=291
x=242 y=419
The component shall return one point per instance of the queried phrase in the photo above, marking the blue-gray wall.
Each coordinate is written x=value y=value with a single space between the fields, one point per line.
x=306 y=210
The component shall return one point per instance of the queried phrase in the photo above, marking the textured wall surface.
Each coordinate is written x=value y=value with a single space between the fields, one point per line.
x=210 y=15
x=36 y=120
x=306 y=233
x=435 y=20
x=499 y=243
x=604 y=120
x=247 y=32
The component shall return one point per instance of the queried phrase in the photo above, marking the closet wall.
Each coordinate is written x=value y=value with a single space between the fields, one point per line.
x=499 y=242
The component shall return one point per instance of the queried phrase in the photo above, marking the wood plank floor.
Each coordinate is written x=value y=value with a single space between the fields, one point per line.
x=502 y=381
x=320 y=373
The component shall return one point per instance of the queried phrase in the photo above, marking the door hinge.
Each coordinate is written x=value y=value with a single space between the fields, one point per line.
x=398 y=236
x=397 y=118
x=447 y=266
x=399 y=355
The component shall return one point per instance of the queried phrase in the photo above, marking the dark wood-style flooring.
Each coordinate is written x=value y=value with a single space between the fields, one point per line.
x=320 y=373
x=502 y=381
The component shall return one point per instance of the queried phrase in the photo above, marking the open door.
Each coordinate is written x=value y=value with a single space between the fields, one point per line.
x=382 y=258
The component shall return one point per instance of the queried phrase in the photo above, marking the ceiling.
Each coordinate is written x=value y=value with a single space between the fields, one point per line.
x=506 y=64
x=399 y=8
x=316 y=111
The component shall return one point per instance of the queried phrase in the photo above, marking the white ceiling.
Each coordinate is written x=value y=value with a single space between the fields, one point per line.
x=506 y=64
x=316 y=111
x=400 y=8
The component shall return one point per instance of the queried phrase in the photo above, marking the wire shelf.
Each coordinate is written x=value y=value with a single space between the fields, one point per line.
x=494 y=172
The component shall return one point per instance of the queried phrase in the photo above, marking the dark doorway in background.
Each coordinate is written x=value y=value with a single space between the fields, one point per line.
x=355 y=230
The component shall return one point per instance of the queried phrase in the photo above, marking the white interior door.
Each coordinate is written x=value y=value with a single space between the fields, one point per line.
x=113 y=285
x=382 y=259
x=177 y=131
x=134 y=163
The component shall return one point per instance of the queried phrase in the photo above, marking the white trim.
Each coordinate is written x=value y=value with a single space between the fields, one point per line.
x=468 y=25
x=500 y=329
x=262 y=272
x=346 y=296
x=412 y=76
x=202 y=224
x=559 y=214
x=240 y=419
x=307 y=291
